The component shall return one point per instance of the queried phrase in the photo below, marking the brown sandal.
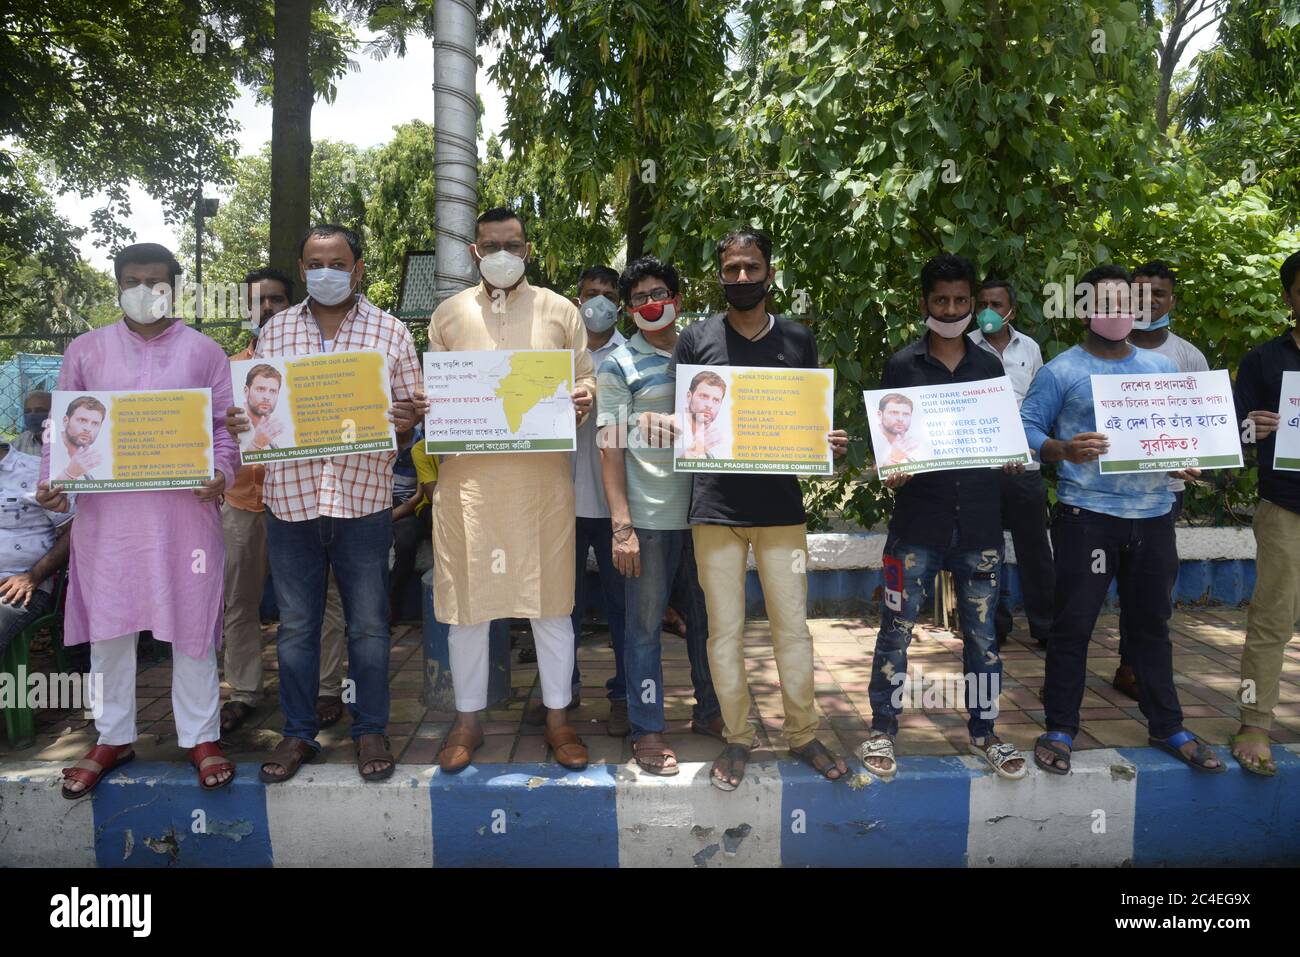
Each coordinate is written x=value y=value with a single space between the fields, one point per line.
x=654 y=756
x=372 y=748
x=201 y=755
x=458 y=749
x=329 y=711
x=569 y=750
x=233 y=715
x=101 y=759
x=290 y=754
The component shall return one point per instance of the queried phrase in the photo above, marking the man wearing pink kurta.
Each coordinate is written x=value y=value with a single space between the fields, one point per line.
x=148 y=560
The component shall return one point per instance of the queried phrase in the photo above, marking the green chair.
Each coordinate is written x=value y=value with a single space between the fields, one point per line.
x=20 y=723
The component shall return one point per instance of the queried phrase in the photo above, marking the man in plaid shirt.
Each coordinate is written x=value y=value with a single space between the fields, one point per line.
x=334 y=512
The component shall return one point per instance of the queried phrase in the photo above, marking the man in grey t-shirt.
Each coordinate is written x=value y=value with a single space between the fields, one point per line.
x=1153 y=333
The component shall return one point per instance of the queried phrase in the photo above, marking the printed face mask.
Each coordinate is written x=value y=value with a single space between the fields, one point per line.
x=654 y=316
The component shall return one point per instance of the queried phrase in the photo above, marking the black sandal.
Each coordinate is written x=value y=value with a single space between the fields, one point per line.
x=1048 y=742
x=731 y=762
x=1172 y=745
x=233 y=716
x=809 y=755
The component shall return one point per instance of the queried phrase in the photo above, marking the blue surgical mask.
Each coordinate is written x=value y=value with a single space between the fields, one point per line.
x=990 y=321
x=329 y=287
x=1160 y=323
x=34 y=421
x=598 y=314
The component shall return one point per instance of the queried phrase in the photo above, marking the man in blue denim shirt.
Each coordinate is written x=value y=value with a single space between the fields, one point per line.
x=1105 y=526
x=949 y=520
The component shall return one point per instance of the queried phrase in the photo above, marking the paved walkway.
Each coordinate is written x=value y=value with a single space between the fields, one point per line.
x=1207 y=647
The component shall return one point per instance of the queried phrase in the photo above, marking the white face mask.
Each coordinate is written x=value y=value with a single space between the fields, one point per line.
x=141 y=304
x=501 y=269
x=948 y=328
x=328 y=286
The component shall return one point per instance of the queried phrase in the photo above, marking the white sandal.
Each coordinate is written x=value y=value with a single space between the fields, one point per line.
x=997 y=755
x=879 y=746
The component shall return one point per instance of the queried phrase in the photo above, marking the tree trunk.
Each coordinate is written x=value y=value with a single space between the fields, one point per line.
x=291 y=102
x=638 y=214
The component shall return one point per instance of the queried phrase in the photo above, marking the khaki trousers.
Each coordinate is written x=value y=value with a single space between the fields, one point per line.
x=246 y=571
x=1274 y=608
x=781 y=554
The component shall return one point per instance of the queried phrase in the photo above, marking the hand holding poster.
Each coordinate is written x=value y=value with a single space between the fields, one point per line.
x=934 y=428
x=754 y=419
x=131 y=441
x=1166 y=421
x=316 y=406
x=1286 y=449
x=507 y=400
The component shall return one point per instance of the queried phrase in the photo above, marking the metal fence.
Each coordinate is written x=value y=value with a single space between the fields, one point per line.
x=21 y=374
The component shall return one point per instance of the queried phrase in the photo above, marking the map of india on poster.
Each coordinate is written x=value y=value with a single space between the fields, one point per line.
x=503 y=401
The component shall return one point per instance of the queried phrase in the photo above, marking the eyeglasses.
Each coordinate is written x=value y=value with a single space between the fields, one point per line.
x=514 y=248
x=654 y=295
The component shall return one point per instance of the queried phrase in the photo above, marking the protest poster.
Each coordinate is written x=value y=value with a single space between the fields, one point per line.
x=1286 y=447
x=933 y=428
x=1166 y=421
x=754 y=419
x=314 y=406
x=506 y=400
x=130 y=441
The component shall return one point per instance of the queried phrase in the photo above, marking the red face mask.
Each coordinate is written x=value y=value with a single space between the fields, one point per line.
x=654 y=316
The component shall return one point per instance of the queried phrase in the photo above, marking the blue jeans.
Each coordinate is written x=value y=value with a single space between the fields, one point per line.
x=598 y=533
x=909 y=573
x=357 y=550
x=667 y=558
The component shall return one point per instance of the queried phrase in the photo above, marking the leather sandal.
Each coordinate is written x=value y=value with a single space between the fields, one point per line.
x=371 y=748
x=209 y=761
x=329 y=710
x=654 y=756
x=458 y=749
x=290 y=754
x=569 y=750
x=233 y=715
x=101 y=759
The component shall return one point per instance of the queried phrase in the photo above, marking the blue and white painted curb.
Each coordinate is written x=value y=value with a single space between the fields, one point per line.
x=1119 y=807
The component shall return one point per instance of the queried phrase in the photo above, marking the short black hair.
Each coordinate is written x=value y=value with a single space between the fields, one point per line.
x=744 y=236
x=326 y=230
x=946 y=267
x=638 y=269
x=599 y=274
x=1290 y=269
x=499 y=214
x=1156 y=269
x=1104 y=272
x=146 y=253
x=991 y=283
x=257 y=275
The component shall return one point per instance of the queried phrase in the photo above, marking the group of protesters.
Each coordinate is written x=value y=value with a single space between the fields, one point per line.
x=511 y=532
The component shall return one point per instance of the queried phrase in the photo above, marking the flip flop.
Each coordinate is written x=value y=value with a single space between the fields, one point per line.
x=1172 y=746
x=1265 y=767
x=1049 y=742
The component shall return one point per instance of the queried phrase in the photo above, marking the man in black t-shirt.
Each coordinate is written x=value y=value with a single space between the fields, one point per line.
x=1275 y=603
x=731 y=512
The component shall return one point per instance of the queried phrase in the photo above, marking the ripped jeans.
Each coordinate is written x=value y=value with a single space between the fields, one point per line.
x=909 y=574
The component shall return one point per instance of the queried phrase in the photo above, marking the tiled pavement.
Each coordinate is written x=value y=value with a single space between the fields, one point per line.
x=1207 y=647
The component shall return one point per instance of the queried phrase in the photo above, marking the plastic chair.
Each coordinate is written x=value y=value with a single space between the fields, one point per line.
x=20 y=722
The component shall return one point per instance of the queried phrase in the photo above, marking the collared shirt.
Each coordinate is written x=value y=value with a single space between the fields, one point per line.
x=246 y=493
x=1060 y=405
x=342 y=486
x=1022 y=359
x=634 y=379
x=588 y=488
x=932 y=504
x=1259 y=389
x=27 y=531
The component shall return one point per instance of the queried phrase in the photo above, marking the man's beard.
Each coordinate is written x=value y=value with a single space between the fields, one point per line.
x=80 y=441
x=264 y=409
x=704 y=418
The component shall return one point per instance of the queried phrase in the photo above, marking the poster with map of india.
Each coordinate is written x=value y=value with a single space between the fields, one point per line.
x=508 y=400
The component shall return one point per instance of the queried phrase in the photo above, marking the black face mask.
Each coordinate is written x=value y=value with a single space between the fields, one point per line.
x=744 y=295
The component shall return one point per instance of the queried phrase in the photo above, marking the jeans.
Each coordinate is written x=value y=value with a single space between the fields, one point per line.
x=357 y=550
x=909 y=573
x=1140 y=554
x=667 y=558
x=1024 y=515
x=408 y=532
x=1124 y=642
x=598 y=533
x=14 y=618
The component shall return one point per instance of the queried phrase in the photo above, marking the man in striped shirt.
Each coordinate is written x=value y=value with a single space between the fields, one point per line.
x=648 y=504
x=335 y=512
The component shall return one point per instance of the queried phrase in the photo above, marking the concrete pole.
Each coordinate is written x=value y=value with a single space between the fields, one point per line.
x=455 y=151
